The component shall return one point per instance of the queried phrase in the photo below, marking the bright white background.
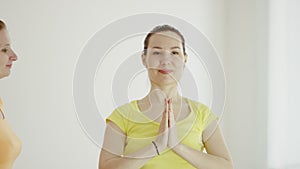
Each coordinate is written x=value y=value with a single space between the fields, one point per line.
x=49 y=35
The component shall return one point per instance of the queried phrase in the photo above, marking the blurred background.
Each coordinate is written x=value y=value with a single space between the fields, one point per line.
x=257 y=41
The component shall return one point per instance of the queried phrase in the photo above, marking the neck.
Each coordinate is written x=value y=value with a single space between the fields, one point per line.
x=159 y=93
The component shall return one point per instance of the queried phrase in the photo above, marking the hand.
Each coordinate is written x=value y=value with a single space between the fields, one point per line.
x=162 y=138
x=172 y=132
x=167 y=134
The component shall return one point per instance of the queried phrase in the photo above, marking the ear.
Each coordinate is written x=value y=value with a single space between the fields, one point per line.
x=185 y=58
x=144 y=60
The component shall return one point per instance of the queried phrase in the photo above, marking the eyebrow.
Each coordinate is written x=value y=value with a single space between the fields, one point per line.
x=174 y=47
x=5 y=45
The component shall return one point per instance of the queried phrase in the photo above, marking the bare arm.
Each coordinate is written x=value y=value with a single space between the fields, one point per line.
x=113 y=147
x=217 y=156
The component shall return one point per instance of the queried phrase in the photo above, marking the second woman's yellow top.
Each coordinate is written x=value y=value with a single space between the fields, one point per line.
x=10 y=144
x=141 y=130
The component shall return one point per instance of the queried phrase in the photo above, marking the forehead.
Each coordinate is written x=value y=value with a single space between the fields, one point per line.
x=4 y=39
x=165 y=40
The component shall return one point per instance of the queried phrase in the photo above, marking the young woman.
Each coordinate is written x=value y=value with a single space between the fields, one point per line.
x=164 y=129
x=10 y=145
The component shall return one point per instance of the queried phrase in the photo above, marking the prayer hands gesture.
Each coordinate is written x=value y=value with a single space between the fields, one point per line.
x=167 y=133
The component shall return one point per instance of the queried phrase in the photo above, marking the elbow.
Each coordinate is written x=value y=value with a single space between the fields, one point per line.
x=224 y=164
x=103 y=166
x=229 y=164
x=108 y=165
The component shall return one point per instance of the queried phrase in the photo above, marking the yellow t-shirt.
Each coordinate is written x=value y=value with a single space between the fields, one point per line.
x=1 y=107
x=10 y=144
x=141 y=130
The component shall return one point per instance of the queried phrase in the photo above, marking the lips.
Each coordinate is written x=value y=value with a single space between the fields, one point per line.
x=165 y=71
x=9 y=66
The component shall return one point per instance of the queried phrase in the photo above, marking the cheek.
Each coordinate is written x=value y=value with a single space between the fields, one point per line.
x=179 y=63
x=3 y=60
x=152 y=72
x=152 y=62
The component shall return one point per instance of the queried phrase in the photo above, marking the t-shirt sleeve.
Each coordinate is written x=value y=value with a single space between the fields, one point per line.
x=2 y=116
x=207 y=117
x=117 y=118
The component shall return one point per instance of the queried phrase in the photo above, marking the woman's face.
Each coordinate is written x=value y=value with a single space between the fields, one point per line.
x=7 y=55
x=164 y=58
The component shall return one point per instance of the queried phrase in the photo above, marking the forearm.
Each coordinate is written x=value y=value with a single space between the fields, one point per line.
x=202 y=160
x=131 y=161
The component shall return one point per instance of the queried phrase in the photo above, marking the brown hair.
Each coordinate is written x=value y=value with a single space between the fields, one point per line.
x=2 y=25
x=163 y=28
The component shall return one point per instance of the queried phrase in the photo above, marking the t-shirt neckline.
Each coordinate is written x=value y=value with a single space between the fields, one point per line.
x=135 y=104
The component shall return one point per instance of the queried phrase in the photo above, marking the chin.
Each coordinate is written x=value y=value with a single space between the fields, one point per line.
x=2 y=75
x=166 y=82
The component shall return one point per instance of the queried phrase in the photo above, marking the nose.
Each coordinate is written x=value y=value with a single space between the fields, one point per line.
x=165 y=59
x=13 y=56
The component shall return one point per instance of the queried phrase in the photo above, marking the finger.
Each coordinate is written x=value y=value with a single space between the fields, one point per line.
x=164 y=120
x=168 y=103
x=167 y=112
x=171 y=113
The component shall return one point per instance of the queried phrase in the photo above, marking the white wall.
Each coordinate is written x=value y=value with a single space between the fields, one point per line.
x=245 y=118
x=48 y=36
x=283 y=137
x=293 y=90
